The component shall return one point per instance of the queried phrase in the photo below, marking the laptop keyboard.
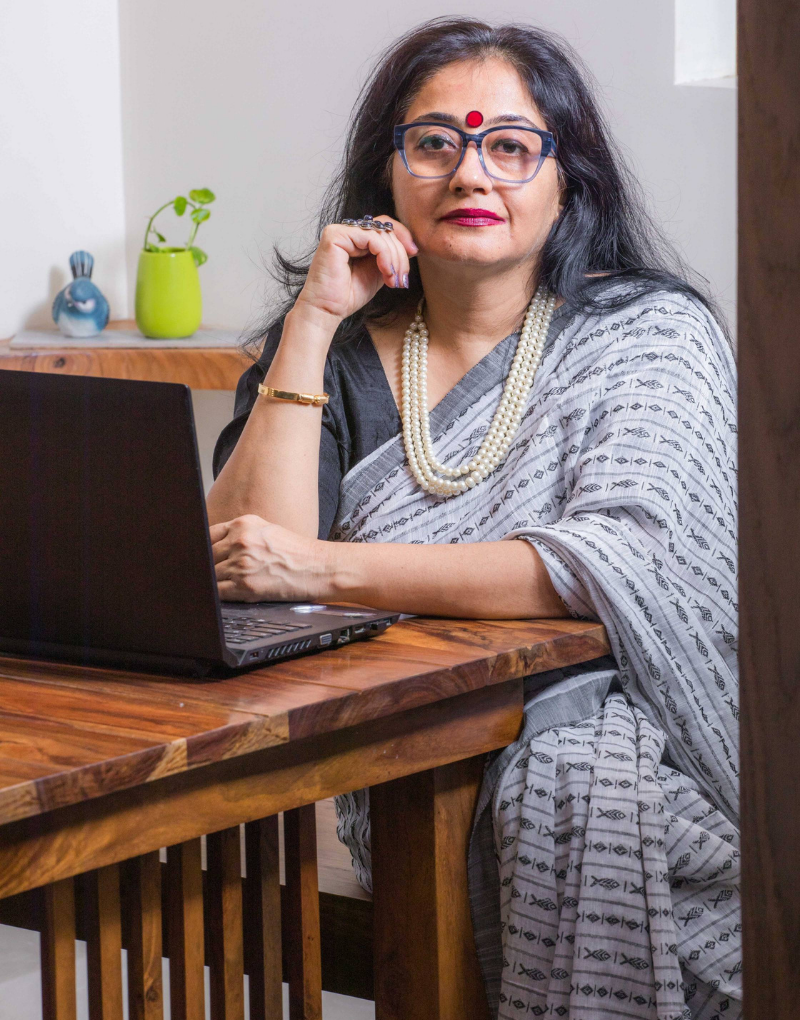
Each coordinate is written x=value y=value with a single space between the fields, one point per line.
x=242 y=631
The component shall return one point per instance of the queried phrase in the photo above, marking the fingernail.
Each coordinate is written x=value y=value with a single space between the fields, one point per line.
x=405 y=280
x=416 y=249
x=396 y=277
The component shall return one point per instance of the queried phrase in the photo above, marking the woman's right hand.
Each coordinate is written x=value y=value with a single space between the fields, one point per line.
x=352 y=264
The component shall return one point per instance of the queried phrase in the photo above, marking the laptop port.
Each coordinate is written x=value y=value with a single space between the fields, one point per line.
x=344 y=637
x=257 y=654
x=360 y=630
x=325 y=640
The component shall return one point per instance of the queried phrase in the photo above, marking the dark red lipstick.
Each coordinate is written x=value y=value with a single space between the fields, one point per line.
x=473 y=217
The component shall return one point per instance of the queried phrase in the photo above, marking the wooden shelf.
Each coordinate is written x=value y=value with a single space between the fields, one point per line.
x=201 y=368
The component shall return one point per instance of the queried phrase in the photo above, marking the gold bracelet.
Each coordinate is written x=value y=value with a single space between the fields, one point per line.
x=314 y=399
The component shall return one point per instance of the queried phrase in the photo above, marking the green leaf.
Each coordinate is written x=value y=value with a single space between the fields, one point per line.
x=161 y=237
x=180 y=205
x=200 y=215
x=202 y=195
x=198 y=255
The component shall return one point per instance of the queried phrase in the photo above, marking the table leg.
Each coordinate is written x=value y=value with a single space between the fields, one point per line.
x=426 y=966
x=58 y=952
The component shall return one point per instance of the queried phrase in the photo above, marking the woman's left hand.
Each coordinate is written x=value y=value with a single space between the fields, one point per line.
x=261 y=562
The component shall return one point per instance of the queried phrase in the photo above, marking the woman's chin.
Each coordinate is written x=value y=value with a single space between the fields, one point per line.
x=475 y=253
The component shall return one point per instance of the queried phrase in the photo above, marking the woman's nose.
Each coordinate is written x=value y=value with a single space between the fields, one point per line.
x=470 y=176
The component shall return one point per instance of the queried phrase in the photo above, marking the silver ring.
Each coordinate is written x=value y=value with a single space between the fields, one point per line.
x=368 y=223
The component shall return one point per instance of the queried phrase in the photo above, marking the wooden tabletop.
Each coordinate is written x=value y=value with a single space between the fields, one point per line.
x=71 y=733
x=201 y=368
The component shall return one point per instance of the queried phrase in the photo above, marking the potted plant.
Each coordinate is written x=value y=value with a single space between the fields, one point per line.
x=168 y=299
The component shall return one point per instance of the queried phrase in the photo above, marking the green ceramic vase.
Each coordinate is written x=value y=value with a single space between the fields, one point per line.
x=169 y=304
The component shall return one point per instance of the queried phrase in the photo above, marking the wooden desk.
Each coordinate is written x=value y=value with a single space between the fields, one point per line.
x=200 y=368
x=99 y=767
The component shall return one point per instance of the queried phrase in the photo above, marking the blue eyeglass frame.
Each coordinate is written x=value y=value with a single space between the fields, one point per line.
x=548 y=147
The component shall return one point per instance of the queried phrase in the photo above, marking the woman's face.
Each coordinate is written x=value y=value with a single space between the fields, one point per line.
x=526 y=211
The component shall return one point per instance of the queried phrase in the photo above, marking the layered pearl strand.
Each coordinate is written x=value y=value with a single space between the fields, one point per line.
x=438 y=478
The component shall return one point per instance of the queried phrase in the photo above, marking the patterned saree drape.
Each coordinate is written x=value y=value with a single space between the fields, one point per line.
x=604 y=862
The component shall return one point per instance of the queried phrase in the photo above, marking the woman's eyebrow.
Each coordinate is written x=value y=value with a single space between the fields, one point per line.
x=510 y=118
x=437 y=115
x=503 y=118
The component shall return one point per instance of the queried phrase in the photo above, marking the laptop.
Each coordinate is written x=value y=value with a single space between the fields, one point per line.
x=105 y=555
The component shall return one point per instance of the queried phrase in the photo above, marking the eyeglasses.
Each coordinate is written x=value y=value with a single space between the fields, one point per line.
x=511 y=154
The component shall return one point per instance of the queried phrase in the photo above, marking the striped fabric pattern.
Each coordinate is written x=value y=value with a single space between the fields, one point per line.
x=612 y=887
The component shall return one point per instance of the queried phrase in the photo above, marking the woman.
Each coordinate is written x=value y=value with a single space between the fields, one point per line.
x=597 y=428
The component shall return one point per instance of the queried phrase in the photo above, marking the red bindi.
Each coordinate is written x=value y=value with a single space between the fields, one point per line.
x=474 y=118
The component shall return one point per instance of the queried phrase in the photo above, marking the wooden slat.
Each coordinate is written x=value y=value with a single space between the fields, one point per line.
x=142 y=878
x=303 y=953
x=263 y=919
x=184 y=889
x=58 y=952
x=92 y=736
x=224 y=870
x=769 y=413
x=184 y=806
x=346 y=932
x=101 y=902
x=426 y=967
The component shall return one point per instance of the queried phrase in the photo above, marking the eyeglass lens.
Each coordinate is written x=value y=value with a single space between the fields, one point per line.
x=508 y=153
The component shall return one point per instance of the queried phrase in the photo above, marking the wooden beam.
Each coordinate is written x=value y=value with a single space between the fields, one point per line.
x=769 y=413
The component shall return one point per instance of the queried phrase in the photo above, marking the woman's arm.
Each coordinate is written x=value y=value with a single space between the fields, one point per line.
x=274 y=467
x=273 y=470
x=259 y=561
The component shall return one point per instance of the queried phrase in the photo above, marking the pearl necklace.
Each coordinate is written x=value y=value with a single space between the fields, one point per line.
x=438 y=478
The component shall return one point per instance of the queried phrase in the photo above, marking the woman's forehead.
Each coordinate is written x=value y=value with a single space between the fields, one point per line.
x=492 y=86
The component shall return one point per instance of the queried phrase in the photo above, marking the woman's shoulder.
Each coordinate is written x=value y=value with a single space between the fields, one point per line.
x=632 y=312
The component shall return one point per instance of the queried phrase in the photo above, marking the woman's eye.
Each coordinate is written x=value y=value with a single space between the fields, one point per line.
x=434 y=142
x=509 y=148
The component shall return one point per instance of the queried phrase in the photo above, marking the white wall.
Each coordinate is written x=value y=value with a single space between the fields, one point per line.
x=705 y=40
x=60 y=155
x=252 y=100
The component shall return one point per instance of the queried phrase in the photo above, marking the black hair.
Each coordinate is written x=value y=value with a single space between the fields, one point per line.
x=603 y=228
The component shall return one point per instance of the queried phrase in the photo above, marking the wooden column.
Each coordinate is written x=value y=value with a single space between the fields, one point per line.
x=226 y=943
x=426 y=967
x=103 y=943
x=184 y=879
x=263 y=919
x=303 y=952
x=142 y=878
x=58 y=951
x=769 y=415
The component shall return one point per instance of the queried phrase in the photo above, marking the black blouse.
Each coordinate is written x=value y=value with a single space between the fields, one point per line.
x=360 y=416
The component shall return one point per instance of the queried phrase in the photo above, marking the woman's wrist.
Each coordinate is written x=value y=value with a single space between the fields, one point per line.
x=315 y=325
x=341 y=572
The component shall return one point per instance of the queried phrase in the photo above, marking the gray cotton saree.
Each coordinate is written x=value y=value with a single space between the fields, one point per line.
x=604 y=862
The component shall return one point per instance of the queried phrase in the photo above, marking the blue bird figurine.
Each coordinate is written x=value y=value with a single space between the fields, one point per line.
x=80 y=310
